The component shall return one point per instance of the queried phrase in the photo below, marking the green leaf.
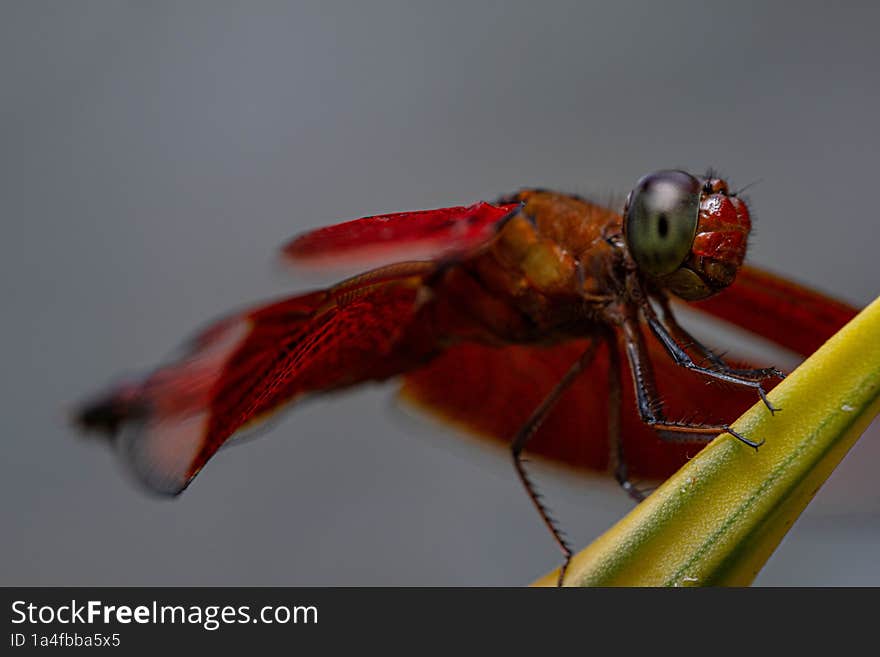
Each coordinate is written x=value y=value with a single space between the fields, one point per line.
x=718 y=519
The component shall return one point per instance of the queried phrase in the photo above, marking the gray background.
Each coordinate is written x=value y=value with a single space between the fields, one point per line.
x=154 y=155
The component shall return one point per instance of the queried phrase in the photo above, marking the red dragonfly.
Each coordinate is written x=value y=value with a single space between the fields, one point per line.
x=517 y=319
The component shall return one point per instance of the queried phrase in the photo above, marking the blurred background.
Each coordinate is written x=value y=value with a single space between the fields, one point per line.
x=155 y=155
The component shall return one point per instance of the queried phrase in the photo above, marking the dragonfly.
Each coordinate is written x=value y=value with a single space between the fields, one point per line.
x=542 y=320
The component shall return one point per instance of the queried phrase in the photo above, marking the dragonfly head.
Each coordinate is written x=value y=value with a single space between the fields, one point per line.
x=686 y=234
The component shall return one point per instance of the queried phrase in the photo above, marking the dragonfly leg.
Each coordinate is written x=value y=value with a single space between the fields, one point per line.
x=717 y=361
x=648 y=401
x=617 y=455
x=724 y=373
x=528 y=430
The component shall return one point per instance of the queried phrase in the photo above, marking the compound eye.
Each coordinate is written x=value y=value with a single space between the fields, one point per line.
x=661 y=220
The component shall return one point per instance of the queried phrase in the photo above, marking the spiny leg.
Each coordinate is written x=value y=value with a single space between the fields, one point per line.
x=683 y=359
x=528 y=430
x=618 y=457
x=683 y=336
x=648 y=400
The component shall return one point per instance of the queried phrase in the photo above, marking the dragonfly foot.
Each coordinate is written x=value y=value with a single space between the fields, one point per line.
x=751 y=443
x=770 y=407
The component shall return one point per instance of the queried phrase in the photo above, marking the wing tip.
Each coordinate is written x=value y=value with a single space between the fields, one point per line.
x=117 y=419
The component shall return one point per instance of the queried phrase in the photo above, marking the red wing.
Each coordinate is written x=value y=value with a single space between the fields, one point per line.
x=425 y=234
x=246 y=366
x=784 y=312
x=492 y=391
